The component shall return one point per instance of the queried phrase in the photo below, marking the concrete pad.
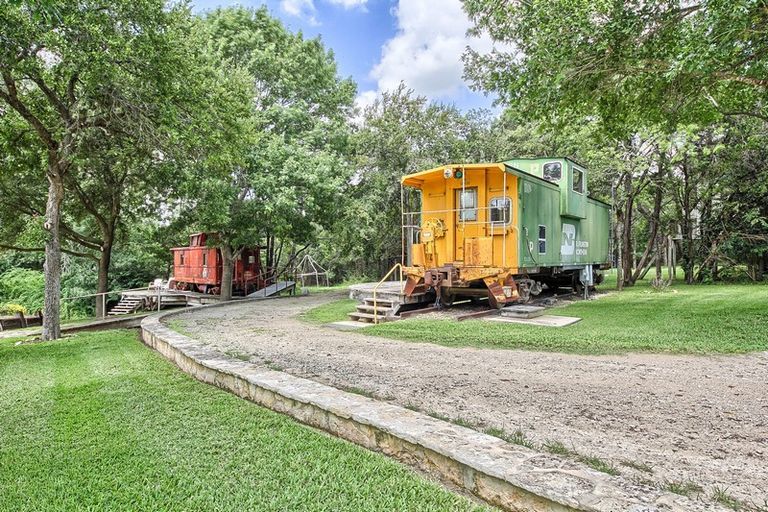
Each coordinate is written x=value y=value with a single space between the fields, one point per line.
x=348 y=325
x=523 y=311
x=544 y=320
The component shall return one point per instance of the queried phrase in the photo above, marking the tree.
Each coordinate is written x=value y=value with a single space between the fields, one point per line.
x=658 y=79
x=398 y=134
x=102 y=88
x=291 y=167
x=632 y=64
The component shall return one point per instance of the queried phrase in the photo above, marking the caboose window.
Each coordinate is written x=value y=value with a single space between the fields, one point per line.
x=466 y=199
x=578 y=181
x=542 y=239
x=205 y=259
x=553 y=171
x=501 y=210
x=181 y=258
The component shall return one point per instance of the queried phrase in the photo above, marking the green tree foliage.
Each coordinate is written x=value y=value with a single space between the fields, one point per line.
x=291 y=167
x=633 y=64
x=666 y=86
x=23 y=287
x=101 y=102
x=398 y=134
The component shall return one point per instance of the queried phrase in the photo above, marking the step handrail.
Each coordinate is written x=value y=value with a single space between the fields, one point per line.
x=376 y=289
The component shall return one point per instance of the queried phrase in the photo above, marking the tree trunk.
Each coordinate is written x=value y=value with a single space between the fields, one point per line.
x=655 y=221
x=627 y=247
x=659 y=253
x=227 y=268
x=619 y=250
x=103 y=282
x=52 y=308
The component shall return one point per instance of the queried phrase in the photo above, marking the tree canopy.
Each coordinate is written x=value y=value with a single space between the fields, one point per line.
x=631 y=63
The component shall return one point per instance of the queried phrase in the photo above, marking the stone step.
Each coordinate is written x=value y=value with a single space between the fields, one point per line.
x=523 y=311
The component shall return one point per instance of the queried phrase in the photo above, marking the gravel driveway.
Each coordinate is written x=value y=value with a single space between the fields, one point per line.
x=688 y=418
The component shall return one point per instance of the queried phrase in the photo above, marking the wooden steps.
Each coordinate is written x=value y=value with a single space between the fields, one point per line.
x=383 y=311
x=128 y=304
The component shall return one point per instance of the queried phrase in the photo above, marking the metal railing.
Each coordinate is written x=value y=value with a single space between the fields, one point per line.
x=376 y=289
x=102 y=297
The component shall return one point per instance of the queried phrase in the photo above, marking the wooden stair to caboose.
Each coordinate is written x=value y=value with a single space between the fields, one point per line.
x=128 y=304
x=383 y=311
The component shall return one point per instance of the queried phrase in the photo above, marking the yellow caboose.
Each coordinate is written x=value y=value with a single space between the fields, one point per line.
x=503 y=230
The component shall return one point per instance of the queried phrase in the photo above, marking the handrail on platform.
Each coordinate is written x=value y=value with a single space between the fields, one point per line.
x=376 y=288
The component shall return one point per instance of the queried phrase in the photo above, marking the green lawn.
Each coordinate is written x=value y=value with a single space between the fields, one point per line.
x=100 y=422
x=696 y=319
x=334 y=311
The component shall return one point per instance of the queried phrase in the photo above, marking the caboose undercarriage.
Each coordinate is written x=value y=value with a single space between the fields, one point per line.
x=501 y=286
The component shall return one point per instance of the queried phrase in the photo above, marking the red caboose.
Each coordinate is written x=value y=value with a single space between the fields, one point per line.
x=199 y=268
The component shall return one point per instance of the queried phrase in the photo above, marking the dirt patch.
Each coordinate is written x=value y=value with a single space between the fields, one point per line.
x=672 y=420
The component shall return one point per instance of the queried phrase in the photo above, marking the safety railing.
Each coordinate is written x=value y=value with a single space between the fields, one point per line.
x=397 y=266
x=100 y=297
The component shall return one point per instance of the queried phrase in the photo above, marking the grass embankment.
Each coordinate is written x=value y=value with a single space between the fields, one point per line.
x=697 y=319
x=100 y=422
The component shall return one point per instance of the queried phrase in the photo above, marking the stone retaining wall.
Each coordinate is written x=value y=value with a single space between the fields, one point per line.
x=505 y=475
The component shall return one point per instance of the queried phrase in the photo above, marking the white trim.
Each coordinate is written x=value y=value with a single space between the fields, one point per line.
x=491 y=208
x=583 y=180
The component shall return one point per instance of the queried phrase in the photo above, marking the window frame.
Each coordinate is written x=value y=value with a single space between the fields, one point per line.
x=542 y=240
x=560 y=164
x=508 y=208
x=460 y=210
x=574 y=170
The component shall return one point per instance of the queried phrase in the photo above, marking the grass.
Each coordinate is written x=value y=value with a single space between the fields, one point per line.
x=683 y=488
x=335 y=311
x=359 y=391
x=557 y=448
x=720 y=495
x=100 y=422
x=704 y=319
x=638 y=465
x=598 y=464
x=178 y=325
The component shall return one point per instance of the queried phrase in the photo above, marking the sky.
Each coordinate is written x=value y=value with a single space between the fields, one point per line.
x=380 y=43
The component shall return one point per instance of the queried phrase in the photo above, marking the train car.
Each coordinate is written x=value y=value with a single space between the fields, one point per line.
x=503 y=230
x=198 y=267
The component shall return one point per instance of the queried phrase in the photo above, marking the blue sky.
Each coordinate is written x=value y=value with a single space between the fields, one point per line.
x=382 y=42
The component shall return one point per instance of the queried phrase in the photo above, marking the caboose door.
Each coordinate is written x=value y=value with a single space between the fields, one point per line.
x=467 y=221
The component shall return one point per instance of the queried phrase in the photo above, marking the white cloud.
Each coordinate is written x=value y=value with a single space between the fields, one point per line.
x=365 y=99
x=426 y=51
x=349 y=4
x=307 y=10
x=301 y=9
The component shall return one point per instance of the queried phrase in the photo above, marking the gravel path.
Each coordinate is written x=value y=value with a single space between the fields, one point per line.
x=688 y=418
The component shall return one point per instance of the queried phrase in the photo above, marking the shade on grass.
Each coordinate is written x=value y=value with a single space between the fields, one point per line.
x=100 y=422
x=697 y=319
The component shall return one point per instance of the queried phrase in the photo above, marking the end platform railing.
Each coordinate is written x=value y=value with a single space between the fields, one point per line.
x=397 y=266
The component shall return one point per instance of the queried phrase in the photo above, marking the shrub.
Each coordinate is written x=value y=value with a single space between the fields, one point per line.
x=12 y=309
x=23 y=287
